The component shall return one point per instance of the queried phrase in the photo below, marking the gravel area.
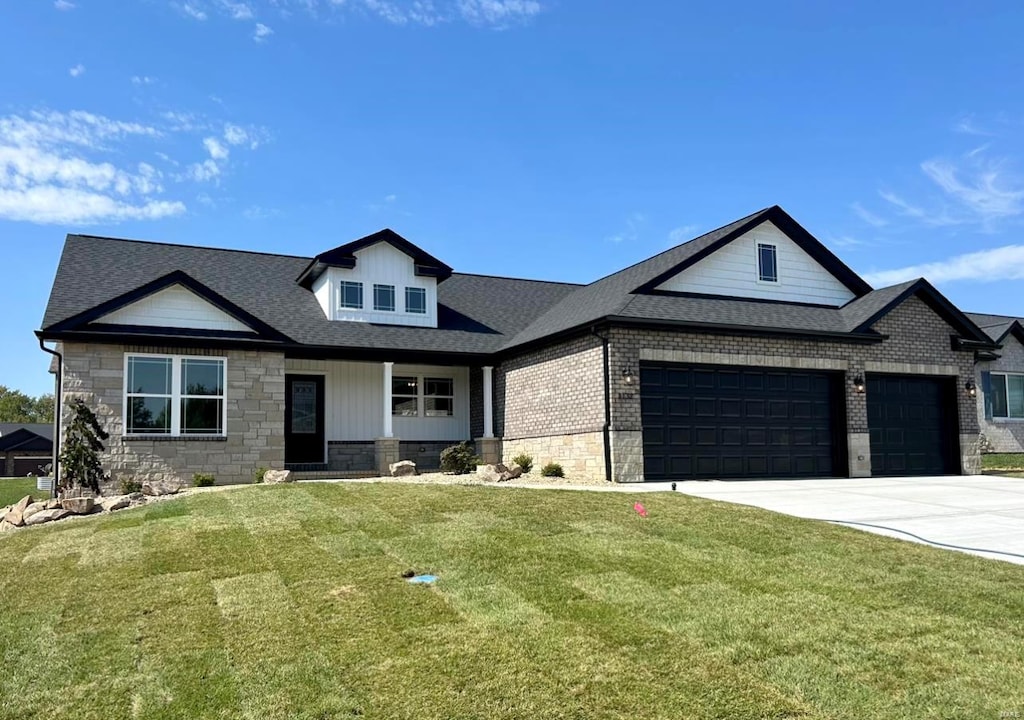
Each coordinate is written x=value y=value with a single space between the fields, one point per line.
x=527 y=480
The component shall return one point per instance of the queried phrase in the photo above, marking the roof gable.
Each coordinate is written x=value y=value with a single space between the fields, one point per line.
x=26 y=440
x=344 y=256
x=175 y=306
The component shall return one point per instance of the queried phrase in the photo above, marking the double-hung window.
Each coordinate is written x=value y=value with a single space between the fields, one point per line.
x=413 y=396
x=405 y=396
x=351 y=295
x=767 y=263
x=1007 y=395
x=438 y=397
x=175 y=395
x=384 y=297
x=416 y=300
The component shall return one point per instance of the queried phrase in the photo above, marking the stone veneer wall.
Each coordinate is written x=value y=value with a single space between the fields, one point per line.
x=918 y=343
x=255 y=409
x=1003 y=435
x=350 y=456
x=550 y=404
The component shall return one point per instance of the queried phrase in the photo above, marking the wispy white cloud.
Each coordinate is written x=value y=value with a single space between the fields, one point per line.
x=967 y=125
x=261 y=32
x=631 y=229
x=77 y=70
x=64 y=5
x=982 y=186
x=215 y=148
x=498 y=13
x=845 y=241
x=869 y=217
x=1001 y=263
x=258 y=212
x=142 y=80
x=193 y=12
x=388 y=201
x=237 y=10
x=681 y=234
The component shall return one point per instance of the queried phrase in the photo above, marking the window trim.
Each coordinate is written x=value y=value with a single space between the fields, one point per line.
x=382 y=286
x=421 y=396
x=341 y=295
x=1006 y=397
x=422 y=292
x=775 y=263
x=176 y=397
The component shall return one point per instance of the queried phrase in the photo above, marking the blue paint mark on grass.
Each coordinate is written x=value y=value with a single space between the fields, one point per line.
x=423 y=579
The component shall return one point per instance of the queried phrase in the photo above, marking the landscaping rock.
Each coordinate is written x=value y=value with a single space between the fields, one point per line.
x=272 y=477
x=117 y=502
x=512 y=472
x=402 y=468
x=5 y=526
x=157 y=488
x=31 y=510
x=15 y=516
x=46 y=516
x=488 y=473
x=52 y=504
x=78 y=505
x=136 y=496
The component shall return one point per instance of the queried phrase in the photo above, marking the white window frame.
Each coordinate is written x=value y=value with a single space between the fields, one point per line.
x=394 y=298
x=176 y=396
x=757 y=261
x=341 y=295
x=421 y=396
x=1006 y=397
x=422 y=292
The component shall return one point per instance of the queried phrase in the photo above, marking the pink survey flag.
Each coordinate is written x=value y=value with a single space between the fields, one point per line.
x=640 y=510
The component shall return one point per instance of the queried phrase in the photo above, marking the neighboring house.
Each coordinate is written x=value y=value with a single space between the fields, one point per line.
x=24 y=448
x=1001 y=379
x=751 y=351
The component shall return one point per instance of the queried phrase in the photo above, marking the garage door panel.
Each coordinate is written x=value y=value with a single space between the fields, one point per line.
x=912 y=423
x=678 y=407
x=745 y=422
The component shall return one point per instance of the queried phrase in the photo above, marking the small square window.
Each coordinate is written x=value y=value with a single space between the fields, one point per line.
x=416 y=300
x=767 y=267
x=384 y=298
x=351 y=295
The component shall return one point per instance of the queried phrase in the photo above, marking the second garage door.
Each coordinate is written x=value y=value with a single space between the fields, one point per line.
x=704 y=422
x=913 y=425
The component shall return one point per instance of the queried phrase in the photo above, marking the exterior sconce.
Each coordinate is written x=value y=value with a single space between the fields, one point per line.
x=971 y=388
x=628 y=378
x=858 y=385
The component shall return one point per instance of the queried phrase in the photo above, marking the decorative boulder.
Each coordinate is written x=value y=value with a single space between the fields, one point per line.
x=15 y=516
x=117 y=502
x=31 y=510
x=78 y=505
x=488 y=473
x=52 y=504
x=46 y=516
x=5 y=526
x=157 y=488
x=273 y=477
x=402 y=468
x=512 y=472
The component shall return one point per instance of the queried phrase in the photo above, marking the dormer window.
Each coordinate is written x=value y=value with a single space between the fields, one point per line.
x=351 y=295
x=384 y=298
x=416 y=300
x=767 y=265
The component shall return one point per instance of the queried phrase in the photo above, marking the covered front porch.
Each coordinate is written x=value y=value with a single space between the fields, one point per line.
x=353 y=418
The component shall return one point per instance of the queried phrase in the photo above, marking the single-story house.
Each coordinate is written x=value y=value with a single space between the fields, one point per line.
x=751 y=351
x=25 y=448
x=1000 y=375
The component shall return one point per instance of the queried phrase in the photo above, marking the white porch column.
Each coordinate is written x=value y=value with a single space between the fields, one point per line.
x=388 y=371
x=488 y=401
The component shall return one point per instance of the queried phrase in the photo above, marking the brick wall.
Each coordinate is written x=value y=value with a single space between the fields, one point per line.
x=1002 y=435
x=255 y=414
x=476 y=402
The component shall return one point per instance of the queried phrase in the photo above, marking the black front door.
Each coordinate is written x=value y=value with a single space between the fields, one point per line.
x=913 y=425
x=304 y=419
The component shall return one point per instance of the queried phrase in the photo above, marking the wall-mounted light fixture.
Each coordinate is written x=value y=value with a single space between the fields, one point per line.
x=858 y=385
x=971 y=388
x=628 y=377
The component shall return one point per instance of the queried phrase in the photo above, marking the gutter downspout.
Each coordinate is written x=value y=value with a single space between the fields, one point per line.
x=58 y=402
x=606 y=430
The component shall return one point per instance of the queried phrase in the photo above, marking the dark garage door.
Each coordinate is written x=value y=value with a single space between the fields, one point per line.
x=702 y=422
x=913 y=425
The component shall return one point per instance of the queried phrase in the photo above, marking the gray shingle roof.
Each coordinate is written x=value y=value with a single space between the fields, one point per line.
x=995 y=326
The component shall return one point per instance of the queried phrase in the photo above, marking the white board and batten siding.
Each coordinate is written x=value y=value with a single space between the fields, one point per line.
x=380 y=264
x=732 y=271
x=354 y=400
x=175 y=306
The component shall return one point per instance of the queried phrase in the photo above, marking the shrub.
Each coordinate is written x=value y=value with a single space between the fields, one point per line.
x=80 y=458
x=552 y=469
x=459 y=459
x=130 y=485
x=524 y=461
x=203 y=480
x=257 y=474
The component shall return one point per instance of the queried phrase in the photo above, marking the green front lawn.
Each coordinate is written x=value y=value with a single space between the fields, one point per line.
x=14 y=489
x=1003 y=461
x=286 y=602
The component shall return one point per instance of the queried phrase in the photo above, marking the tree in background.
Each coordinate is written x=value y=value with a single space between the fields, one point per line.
x=17 y=407
x=83 y=442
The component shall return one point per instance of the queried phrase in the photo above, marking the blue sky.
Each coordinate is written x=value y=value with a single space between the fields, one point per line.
x=554 y=140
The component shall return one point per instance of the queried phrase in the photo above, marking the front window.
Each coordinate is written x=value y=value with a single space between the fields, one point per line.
x=422 y=396
x=352 y=295
x=1007 y=395
x=416 y=300
x=438 y=397
x=174 y=395
x=384 y=298
x=767 y=267
x=405 y=396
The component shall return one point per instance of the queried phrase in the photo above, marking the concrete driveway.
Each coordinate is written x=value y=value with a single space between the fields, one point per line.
x=981 y=512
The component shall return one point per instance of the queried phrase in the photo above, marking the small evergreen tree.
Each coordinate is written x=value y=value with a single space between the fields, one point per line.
x=79 y=460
